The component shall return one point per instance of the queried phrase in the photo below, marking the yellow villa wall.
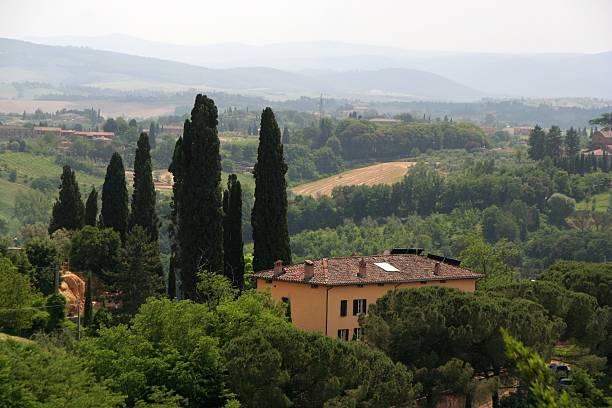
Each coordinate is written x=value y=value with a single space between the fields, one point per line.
x=308 y=303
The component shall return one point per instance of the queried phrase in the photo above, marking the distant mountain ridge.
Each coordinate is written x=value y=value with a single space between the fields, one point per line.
x=26 y=61
x=514 y=75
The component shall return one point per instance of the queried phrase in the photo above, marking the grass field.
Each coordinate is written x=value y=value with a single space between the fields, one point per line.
x=601 y=203
x=33 y=166
x=383 y=173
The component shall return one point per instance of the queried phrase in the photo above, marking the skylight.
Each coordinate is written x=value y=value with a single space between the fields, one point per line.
x=386 y=266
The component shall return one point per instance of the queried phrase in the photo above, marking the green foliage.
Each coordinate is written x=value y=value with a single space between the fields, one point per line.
x=495 y=262
x=197 y=210
x=537 y=144
x=269 y=214
x=68 y=210
x=140 y=273
x=17 y=299
x=56 y=307
x=285 y=367
x=32 y=376
x=572 y=142
x=428 y=327
x=91 y=208
x=143 y=198
x=214 y=289
x=96 y=250
x=43 y=255
x=560 y=207
x=114 y=213
x=534 y=371
x=32 y=207
x=594 y=279
x=232 y=232
x=88 y=315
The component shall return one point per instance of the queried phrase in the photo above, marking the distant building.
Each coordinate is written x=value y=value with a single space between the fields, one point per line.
x=8 y=132
x=602 y=140
x=173 y=130
x=522 y=130
x=488 y=129
x=328 y=295
x=47 y=130
x=384 y=120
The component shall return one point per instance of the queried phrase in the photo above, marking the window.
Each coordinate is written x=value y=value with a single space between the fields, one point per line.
x=359 y=306
x=357 y=333
x=343 y=334
x=343 y=307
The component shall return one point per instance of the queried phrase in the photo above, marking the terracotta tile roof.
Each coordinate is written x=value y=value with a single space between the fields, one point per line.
x=344 y=271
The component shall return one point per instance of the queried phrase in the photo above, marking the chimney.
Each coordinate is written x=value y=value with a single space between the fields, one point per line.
x=436 y=270
x=308 y=269
x=362 y=269
x=278 y=268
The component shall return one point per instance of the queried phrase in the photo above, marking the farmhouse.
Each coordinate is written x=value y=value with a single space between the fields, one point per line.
x=602 y=140
x=8 y=132
x=328 y=295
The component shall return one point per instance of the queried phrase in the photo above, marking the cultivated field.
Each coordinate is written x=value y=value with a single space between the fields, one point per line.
x=383 y=173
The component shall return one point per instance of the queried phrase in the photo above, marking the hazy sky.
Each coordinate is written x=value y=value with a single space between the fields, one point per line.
x=470 y=25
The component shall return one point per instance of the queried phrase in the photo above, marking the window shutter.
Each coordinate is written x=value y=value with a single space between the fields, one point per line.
x=355 y=306
x=343 y=307
x=365 y=305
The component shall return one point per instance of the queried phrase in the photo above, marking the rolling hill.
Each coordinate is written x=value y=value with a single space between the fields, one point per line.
x=514 y=75
x=25 y=61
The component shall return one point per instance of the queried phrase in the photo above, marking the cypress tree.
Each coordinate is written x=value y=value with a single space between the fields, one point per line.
x=553 y=142
x=91 y=208
x=536 y=144
x=572 y=142
x=233 y=252
x=198 y=213
x=114 y=212
x=269 y=214
x=68 y=210
x=88 y=319
x=152 y=135
x=143 y=198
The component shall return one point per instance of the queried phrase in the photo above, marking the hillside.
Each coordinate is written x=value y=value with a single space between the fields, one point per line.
x=529 y=75
x=383 y=173
x=25 y=61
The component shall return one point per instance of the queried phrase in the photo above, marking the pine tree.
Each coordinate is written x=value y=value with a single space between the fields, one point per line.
x=143 y=198
x=68 y=210
x=197 y=209
x=536 y=144
x=553 y=142
x=269 y=214
x=572 y=142
x=233 y=251
x=114 y=212
x=91 y=208
x=88 y=299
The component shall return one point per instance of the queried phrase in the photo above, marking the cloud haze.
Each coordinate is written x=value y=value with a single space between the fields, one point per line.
x=516 y=26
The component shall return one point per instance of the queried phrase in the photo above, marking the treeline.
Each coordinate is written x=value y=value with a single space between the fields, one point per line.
x=424 y=191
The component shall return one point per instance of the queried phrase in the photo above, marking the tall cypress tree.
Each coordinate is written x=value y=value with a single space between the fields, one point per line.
x=115 y=211
x=152 y=134
x=198 y=213
x=91 y=208
x=88 y=299
x=537 y=143
x=572 y=142
x=269 y=214
x=143 y=198
x=233 y=249
x=68 y=210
